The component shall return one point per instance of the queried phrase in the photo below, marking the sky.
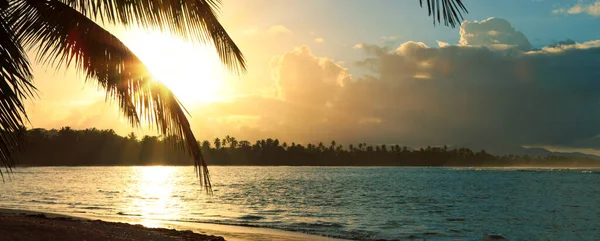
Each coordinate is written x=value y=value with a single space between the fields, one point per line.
x=517 y=72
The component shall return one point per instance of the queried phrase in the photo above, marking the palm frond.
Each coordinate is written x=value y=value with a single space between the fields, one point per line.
x=195 y=20
x=74 y=40
x=450 y=11
x=15 y=86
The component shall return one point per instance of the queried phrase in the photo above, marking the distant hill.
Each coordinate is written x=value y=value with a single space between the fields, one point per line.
x=511 y=149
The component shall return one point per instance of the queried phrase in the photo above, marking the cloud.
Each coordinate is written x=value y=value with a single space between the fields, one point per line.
x=571 y=45
x=278 y=30
x=319 y=40
x=592 y=9
x=492 y=32
x=442 y=44
x=299 y=68
x=418 y=95
x=478 y=93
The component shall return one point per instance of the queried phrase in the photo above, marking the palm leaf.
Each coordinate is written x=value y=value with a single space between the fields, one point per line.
x=15 y=87
x=74 y=40
x=194 y=20
x=450 y=11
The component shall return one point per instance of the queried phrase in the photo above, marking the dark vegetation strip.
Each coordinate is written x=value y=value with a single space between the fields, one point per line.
x=94 y=147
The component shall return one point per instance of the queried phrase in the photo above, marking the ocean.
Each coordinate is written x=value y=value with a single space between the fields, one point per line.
x=357 y=203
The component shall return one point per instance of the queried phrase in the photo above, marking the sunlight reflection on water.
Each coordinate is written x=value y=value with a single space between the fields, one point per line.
x=150 y=194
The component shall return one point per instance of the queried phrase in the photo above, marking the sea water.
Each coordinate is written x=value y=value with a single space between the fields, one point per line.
x=394 y=203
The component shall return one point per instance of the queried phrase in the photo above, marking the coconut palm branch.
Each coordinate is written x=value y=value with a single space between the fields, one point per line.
x=194 y=20
x=75 y=40
x=448 y=11
x=15 y=86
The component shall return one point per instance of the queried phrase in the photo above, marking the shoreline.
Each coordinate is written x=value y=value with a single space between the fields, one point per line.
x=334 y=166
x=181 y=230
x=20 y=225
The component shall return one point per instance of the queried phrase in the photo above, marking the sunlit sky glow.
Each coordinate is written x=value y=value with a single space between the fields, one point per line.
x=346 y=70
x=192 y=71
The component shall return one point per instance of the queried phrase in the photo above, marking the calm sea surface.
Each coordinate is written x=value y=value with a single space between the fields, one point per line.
x=350 y=203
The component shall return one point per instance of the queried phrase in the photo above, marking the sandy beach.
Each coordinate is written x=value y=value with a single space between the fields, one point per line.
x=33 y=225
x=26 y=226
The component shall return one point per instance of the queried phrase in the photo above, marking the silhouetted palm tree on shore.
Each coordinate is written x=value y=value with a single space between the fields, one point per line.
x=64 y=34
x=67 y=146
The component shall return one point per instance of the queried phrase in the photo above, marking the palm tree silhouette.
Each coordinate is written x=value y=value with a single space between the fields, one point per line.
x=64 y=34
x=217 y=143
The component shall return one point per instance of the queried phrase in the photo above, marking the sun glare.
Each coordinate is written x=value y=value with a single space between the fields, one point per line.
x=192 y=71
x=155 y=187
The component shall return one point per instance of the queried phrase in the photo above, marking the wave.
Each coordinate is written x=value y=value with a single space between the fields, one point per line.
x=43 y=202
x=108 y=192
x=323 y=229
x=94 y=208
x=251 y=217
x=129 y=214
x=274 y=211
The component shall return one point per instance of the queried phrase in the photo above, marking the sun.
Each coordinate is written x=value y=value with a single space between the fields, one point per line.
x=192 y=71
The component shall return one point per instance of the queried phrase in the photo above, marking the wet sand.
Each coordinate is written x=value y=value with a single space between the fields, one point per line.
x=31 y=225
x=40 y=227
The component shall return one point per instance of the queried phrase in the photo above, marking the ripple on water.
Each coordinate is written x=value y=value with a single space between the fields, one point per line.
x=493 y=237
x=108 y=192
x=251 y=217
x=94 y=208
x=321 y=224
x=348 y=203
x=43 y=202
x=456 y=219
x=271 y=211
x=129 y=214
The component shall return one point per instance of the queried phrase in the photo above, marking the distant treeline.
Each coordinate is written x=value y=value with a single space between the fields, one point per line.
x=104 y=147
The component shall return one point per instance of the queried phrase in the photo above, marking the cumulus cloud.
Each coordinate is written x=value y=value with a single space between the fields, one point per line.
x=319 y=40
x=420 y=95
x=492 y=32
x=481 y=94
x=592 y=9
x=570 y=44
x=299 y=68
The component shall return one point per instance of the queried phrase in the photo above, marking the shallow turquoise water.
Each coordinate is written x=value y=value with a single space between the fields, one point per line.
x=350 y=203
